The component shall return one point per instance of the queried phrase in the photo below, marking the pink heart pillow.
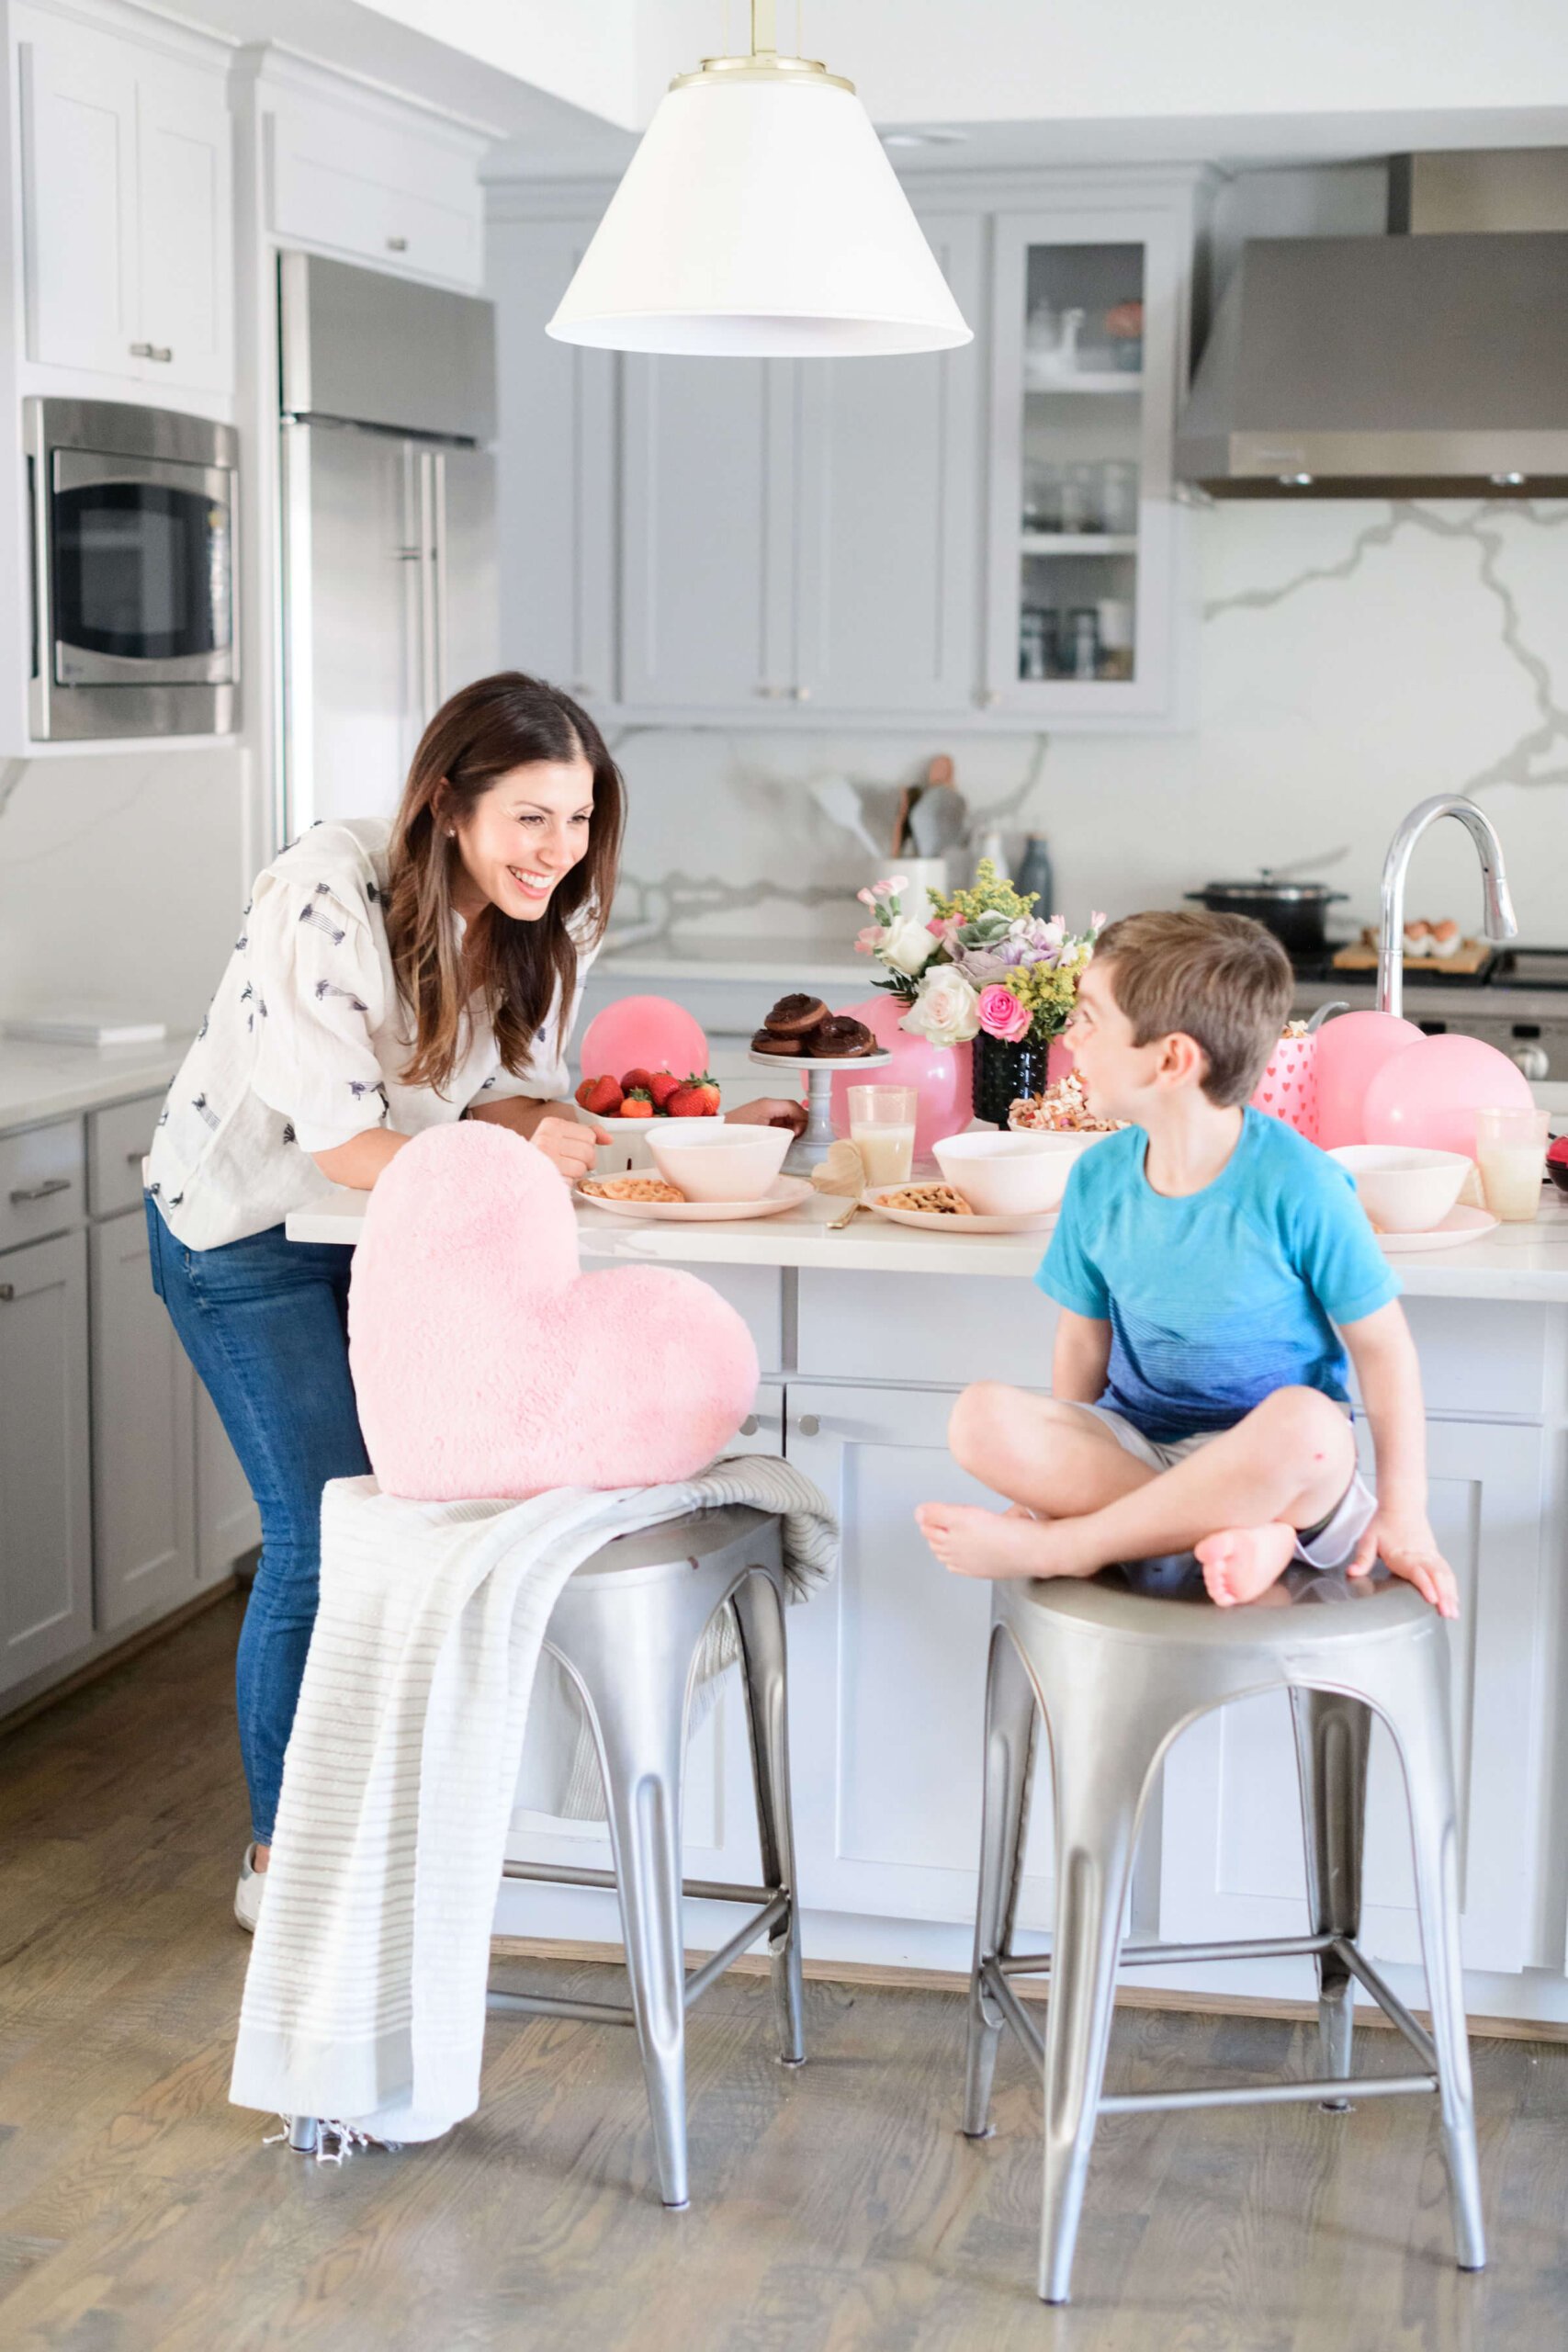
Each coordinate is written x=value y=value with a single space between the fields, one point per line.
x=485 y=1364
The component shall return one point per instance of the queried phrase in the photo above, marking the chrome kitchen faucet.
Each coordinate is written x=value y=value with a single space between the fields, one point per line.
x=1500 y=921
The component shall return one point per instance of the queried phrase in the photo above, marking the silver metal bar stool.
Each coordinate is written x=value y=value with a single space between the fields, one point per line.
x=1117 y=1673
x=628 y=1629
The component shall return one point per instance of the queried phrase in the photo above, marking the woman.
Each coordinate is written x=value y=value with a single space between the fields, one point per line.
x=387 y=979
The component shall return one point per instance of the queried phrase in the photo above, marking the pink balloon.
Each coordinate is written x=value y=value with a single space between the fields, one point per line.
x=642 y=1032
x=1350 y=1052
x=941 y=1072
x=1430 y=1094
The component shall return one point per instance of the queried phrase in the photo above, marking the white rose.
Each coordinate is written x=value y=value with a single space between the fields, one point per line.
x=907 y=945
x=946 y=1010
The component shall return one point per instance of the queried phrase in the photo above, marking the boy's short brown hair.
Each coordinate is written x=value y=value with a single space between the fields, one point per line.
x=1223 y=980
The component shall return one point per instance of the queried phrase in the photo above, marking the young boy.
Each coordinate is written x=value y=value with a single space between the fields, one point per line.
x=1201 y=1262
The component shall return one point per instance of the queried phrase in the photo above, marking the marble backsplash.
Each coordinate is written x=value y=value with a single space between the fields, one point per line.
x=1353 y=658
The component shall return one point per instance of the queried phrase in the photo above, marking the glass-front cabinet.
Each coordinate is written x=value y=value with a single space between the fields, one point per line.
x=1090 y=326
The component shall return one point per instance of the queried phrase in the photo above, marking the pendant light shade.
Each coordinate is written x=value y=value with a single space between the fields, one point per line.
x=760 y=218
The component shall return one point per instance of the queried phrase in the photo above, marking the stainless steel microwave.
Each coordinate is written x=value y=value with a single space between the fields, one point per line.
x=134 y=622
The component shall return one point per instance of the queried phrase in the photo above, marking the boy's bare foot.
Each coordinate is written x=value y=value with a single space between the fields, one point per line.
x=1240 y=1563
x=973 y=1542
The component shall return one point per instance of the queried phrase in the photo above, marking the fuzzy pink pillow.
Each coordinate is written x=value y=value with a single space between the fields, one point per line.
x=485 y=1364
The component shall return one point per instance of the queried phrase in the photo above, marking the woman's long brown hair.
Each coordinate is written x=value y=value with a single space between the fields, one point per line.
x=521 y=971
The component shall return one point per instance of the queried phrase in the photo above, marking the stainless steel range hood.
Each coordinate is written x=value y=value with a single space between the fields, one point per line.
x=1404 y=366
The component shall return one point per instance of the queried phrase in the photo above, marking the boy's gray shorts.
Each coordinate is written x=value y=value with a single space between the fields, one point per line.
x=1330 y=1545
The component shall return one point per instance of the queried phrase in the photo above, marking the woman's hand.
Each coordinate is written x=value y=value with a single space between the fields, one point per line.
x=566 y=1143
x=769 y=1110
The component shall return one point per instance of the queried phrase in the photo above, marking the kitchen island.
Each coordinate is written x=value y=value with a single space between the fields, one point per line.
x=865 y=1336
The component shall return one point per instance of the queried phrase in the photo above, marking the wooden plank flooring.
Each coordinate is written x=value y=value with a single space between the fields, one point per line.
x=834 y=2208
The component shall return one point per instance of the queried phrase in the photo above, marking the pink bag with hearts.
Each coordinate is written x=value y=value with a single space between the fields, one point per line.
x=1288 y=1087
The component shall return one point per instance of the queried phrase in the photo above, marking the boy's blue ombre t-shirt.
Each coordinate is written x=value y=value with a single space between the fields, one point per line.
x=1218 y=1298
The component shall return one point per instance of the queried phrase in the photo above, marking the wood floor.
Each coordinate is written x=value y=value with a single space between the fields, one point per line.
x=837 y=2207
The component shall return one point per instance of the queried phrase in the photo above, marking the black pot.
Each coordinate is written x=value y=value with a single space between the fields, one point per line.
x=1296 y=913
x=1003 y=1072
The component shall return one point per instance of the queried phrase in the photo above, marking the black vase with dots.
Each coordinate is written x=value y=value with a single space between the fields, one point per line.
x=1003 y=1072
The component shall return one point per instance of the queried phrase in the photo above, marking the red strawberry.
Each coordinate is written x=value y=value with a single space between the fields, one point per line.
x=639 y=1080
x=709 y=1089
x=665 y=1083
x=638 y=1104
x=688 y=1103
x=600 y=1095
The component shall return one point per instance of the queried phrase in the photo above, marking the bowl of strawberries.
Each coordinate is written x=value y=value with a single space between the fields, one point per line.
x=627 y=1108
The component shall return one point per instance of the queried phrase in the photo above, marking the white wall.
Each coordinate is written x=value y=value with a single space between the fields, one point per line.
x=121 y=881
x=1354 y=657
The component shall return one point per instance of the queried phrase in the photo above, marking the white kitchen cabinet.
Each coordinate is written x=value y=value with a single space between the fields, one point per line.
x=46 y=1562
x=888 y=503
x=887 y=1674
x=1231 y=1851
x=1088 y=354
x=143 y=1436
x=349 y=172
x=127 y=207
x=554 y=465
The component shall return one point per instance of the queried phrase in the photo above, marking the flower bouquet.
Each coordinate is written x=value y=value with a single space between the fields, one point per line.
x=985 y=968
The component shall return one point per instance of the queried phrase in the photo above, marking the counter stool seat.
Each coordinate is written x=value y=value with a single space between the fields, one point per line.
x=628 y=1628
x=1117 y=1666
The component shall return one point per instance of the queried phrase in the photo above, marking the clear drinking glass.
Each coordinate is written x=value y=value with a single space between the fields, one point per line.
x=1511 y=1148
x=882 y=1129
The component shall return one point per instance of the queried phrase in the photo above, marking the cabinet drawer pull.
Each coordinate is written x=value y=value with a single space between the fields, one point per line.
x=151 y=351
x=751 y=1425
x=801 y=693
x=769 y=693
x=43 y=1192
x=397 y=245
x=808 y=1425
x=7 y=1293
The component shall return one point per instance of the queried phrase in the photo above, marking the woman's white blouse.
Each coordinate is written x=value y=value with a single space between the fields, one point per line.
x=303 y=1045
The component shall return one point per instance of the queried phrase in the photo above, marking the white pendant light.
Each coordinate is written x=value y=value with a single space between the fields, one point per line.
x=760 y=218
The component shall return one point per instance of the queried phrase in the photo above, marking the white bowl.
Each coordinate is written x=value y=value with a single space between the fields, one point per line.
x=625 y=1145
x=710 y=1162
x=1011 y=1173
x=1402 y=1188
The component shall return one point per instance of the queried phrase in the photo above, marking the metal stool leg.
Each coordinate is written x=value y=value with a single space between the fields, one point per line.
x=759 y=1611
x=1099 y=1779
x=1011 y=1720
x=1333 y=1732
x=641 y=1730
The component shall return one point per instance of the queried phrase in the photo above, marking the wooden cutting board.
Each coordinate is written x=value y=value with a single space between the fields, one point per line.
x=1469 y=958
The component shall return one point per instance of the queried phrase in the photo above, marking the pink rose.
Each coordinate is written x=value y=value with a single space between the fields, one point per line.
x=1001 y=1015
x=868 y=940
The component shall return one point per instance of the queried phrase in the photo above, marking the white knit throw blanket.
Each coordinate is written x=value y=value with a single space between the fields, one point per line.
x=365 y=1998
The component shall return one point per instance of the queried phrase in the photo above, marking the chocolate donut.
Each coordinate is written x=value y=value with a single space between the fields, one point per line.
x=795 y=1016
x=840 y=1038
x=764 y=1042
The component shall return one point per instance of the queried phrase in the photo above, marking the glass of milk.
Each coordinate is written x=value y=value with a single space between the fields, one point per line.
x=882 y=1129
x=1511 y=1148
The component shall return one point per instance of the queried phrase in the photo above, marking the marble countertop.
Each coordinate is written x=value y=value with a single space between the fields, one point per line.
x=1526 y=1262
x=775 y=962
x=40 y=1082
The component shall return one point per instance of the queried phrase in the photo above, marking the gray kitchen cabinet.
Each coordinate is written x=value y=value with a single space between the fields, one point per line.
x=226 y=1521
x=46 y=1607
x=555 y=512
x=143 y=1436
x=889 y=508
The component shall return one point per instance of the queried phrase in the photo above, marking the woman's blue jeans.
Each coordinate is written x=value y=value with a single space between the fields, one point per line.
x=265 y=1323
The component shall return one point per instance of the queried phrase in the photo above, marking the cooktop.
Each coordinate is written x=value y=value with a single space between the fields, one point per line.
x=1510 y=968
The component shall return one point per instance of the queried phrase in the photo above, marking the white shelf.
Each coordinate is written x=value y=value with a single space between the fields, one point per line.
x=1111 y=379
x=1078 y=543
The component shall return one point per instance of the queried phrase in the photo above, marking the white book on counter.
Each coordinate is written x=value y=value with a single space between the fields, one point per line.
x=82 y=1028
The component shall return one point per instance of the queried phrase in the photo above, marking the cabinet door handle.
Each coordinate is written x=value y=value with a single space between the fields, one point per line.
x=151 y=351
x=43 y=1192
x=800 y=693
x=397 y=245
x=808 y=1425
x=751 y=1425
x=769 y=693
x=7 y=1293
x=988 y=697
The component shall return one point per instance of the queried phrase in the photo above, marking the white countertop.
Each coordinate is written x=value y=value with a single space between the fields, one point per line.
x=38 y=1082
x=1526 y=1263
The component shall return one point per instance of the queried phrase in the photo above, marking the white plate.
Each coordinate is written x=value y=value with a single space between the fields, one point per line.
x=798 y=1062
x=784 y=1192
x=1459 y=1225
x=933 y=1221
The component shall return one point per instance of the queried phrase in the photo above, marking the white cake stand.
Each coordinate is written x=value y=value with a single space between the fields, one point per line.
x=808 y=1150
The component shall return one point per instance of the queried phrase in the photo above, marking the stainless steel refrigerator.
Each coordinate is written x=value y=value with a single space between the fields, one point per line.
x=387 y=488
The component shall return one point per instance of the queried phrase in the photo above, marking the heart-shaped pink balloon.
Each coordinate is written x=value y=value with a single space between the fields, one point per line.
x=485 y=1364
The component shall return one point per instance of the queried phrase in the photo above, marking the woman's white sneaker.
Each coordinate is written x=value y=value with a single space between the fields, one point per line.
x=248 y=1894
